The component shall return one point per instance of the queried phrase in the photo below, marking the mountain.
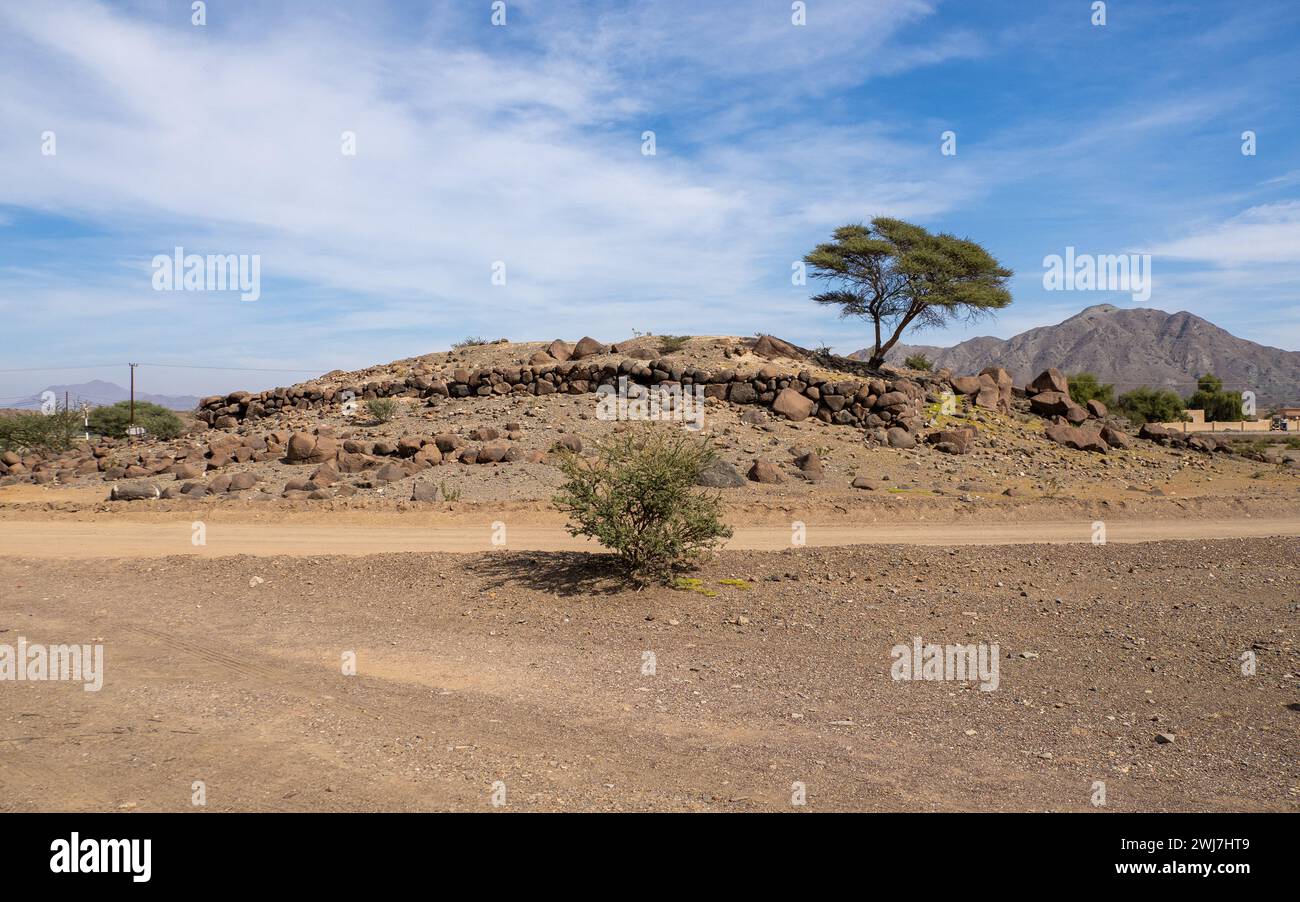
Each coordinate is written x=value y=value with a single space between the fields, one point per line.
x=99 y=393
x=1128 y=347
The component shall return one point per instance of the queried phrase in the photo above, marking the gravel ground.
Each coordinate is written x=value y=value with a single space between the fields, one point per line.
x=530 y=673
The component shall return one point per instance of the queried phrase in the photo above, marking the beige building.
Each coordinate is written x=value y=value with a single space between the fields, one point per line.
x=1196 y=423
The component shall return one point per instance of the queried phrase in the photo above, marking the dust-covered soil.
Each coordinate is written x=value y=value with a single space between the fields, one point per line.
x=536 y=679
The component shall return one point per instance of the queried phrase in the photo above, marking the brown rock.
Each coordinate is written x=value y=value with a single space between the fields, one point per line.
x=771 y=346
x=766 y=472
x=1050 y=379
x=792 y=405
x=586 y=347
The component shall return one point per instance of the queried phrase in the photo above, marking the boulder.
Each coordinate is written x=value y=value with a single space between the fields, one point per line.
x=586 y=347
x=770 y=346
x=720 y=475
x=424 y=490
x=241 y=481
x=792 y=405
x=568 y=442
x=135 y=491
x=1076 y=438
x=559 y=350
x=1051 y=404
x=862 y=482
x=965 y=385
x=1097 y=409
x=447 y=441
x=952 y=441
x=898 y=437
x=742 y=393
x=810 y=465
x=1116 y=439
x=766 y=472
x=1050 y=379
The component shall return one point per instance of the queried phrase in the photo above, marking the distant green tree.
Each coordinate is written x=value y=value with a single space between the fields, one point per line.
x=1219 y=406
x=157 y=420
x=1150 y=405
x=1084 y=387
x=895 y=274
x=918 y=362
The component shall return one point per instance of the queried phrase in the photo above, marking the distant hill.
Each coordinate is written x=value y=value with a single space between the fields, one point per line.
x=1128 y=347
x=99 y=393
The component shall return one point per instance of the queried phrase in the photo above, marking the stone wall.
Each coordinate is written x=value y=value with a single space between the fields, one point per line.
x=891 y=410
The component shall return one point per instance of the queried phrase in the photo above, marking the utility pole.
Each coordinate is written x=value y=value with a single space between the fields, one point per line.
x=133 y=366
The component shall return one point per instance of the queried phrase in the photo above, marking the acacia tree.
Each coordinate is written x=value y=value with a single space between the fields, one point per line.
x=896 y=275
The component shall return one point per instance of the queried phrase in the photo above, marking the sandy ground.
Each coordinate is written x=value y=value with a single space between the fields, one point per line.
x=531 y=670
x=114 y=539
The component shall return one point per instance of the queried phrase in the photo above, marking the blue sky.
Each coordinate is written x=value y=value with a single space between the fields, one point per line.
x=522 y=143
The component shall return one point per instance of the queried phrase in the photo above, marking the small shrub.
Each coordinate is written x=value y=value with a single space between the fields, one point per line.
x=639 y=499
x=671 y=344
x=381 y=410
x=158 y=421
x=918 y=362
x=448 y=493
x=470 y=341
x=1084 y=387
x=40 y=432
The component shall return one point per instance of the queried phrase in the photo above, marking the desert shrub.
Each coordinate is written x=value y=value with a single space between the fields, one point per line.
x=919 y=362
x=157 y=420
x=638 y=497
x=1151 y=405
x=40 y=432
x=1084 y=387
x=381 y=410
x=670 y=344
x=470 y=341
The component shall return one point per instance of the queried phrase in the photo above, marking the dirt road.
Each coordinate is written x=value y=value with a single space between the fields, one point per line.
x=531 y=675
x=66 y=539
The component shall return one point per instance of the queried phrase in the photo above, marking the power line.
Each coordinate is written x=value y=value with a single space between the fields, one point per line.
x=237 y=369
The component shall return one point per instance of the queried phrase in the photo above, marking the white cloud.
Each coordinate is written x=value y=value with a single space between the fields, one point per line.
x=464 y=158
x=1268 y=233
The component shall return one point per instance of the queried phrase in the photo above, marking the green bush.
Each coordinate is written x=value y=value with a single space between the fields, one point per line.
x=40 y=432
x=671 y=344
x=381 y=409
x=919 y=362
x=638 y=497
x=1150 y=405
x=1220 y=406
x=158 y=421
x=1084 y=387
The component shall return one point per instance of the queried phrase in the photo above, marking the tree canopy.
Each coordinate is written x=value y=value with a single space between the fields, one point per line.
x=896 y=274
x=1220 y=406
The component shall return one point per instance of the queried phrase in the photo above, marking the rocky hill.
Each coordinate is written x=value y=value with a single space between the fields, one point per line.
x=1129 y=347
